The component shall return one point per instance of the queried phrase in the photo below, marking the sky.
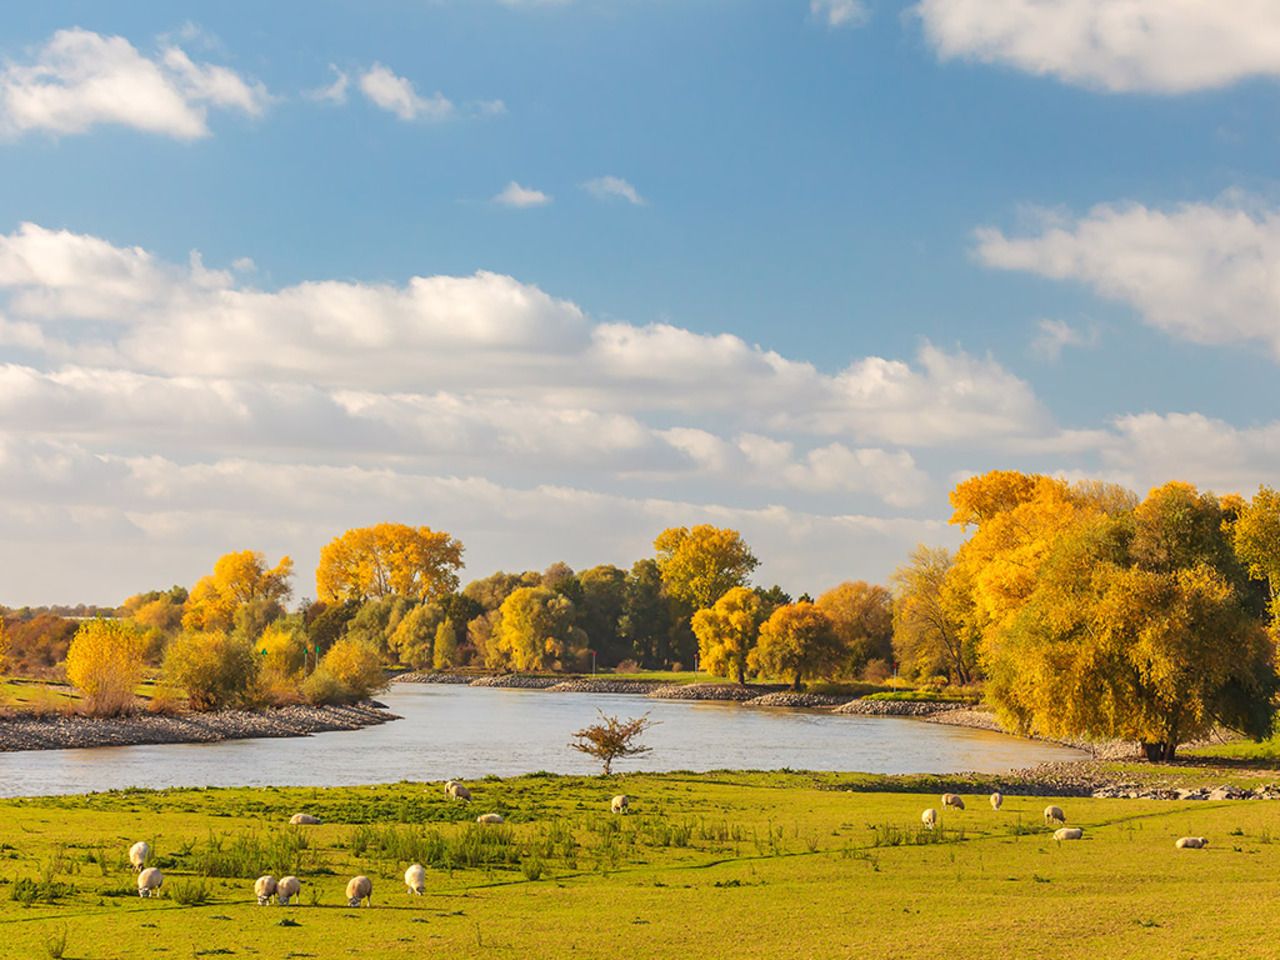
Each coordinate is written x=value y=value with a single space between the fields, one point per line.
x=553 y=275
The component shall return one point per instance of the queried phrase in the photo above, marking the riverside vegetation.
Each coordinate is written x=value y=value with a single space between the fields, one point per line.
x=708 y=866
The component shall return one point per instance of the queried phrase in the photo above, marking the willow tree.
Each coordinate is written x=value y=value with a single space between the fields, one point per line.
x=727 y=633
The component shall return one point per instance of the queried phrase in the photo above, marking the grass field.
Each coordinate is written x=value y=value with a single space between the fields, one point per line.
x=707 y=866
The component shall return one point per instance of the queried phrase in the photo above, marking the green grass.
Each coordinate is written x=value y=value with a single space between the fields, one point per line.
x=722 y=865
x=1268 y=751
x=931 y=696
x=21 y=693
x=664 y=676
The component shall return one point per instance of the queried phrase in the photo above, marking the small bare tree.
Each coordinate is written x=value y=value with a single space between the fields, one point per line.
x=612 y=739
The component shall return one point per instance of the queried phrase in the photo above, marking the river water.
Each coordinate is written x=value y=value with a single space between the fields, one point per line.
x=469 y=732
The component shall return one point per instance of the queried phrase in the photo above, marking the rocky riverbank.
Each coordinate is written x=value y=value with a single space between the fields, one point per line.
x=898 y=708
x=424 y=676
x=790 y=698
x=606 y=686
x=709 y=691
x=516 y=681
x=62 y=732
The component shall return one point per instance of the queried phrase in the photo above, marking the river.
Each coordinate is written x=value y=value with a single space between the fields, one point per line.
x=469 y=732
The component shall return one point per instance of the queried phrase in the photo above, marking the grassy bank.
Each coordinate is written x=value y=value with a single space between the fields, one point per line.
x=727 y=865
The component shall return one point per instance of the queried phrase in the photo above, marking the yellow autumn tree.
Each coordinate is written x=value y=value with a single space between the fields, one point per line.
x=351 y=671
x=862 y=614
x=700 y=564
x=1255 y=536
x=4 y=647
x=536 y=631
x=727 y=633
x=105 y=663
x=796 y=642
x=389 y=559
x=928 y=637
x=238 y=579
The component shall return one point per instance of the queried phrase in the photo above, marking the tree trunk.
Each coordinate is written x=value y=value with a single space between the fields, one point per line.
x=1160 y=752
x=795 y=683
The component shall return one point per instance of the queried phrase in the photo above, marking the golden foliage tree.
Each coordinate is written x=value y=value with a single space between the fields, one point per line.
x=238 y=579
x=701 y=564
x=862 y=614
x=727 y=632
x=389 y=559
x=214 y=668
x=4 y=647
x=536 y=631
x=105 y=662
x=928 y=637
x=350 y=671
x=1255 y=535
x=797 y=641
x=444 y=652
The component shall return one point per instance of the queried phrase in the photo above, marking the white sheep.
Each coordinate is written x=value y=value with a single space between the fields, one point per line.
x=1068 y=833
x=952 y=800
x=288 y=888
x=139 y=854
x=1191 y=843
x=300 y=819
x=415 y=878
x=619 y=804
x=1054 y=814
x=359 y=888
x=456 y=791
x=490 y=818
x=929 y=818
x=149 y=881
x=997 y=800
x=264 y=888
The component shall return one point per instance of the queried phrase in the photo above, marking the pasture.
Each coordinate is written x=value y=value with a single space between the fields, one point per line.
x=780 y=865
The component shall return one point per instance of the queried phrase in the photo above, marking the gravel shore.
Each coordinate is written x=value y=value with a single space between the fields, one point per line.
x=789 y=698
x=516 y=681
x=606 y=686
x=457 y=679
x=709 y=691
x=74 y=732
x=898 y=708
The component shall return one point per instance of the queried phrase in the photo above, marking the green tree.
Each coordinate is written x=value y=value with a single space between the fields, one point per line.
x=727 y=633
x=648 y=622
x=798 y=641
x=701 y=564
x=536 y=631
x=214 y=669
x=1255 y=535
x=604 y=594
x=414 y=636
x=445 y=652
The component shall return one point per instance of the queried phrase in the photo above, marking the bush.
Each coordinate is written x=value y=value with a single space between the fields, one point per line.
x=105 y=663
x=215 y=669
x=322 y=687
x=357 y=668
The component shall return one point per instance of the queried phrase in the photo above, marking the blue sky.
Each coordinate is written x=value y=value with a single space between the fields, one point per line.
x=852 y=252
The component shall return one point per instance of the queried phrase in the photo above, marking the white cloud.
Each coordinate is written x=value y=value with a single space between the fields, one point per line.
x=1152 y=448
x=839 y=13
x=1159 y=46
x=1053 y=336
x=396 y=94
x=1201 y=272
x=613 y=188
x=335 y=92
x=80 y=79
x=514 y=195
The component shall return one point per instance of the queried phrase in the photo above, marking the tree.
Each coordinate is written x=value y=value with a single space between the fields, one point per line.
x=4 y=647
x=445 y=652
x=104 y=663
x=648 y=623
x=612 y=739
x=798 y=641
x=604 y=593
x=1255 y=536
x=536 y=631
x=927 y=636
x=282 y=650
x=412 y=639
x=349 y=672
x=216 y=669
x=701 y=564
x=727 y=633
x=863 y=618
x=389 y=559
x=237 y=578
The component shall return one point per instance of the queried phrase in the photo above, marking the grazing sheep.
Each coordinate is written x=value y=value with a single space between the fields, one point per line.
x=1191 y=843
x=929 y=818
x=997 y=800
x=456 y=791
x=288 y=888
x=359 y=888
x=619 y=803
x=490 y=818
x=1068 y=833
x=1054 y=814
x=139 y=854
x=149 y=881
x=303 y=818
x=264 y=889
x=415 y=878
x=952 y=800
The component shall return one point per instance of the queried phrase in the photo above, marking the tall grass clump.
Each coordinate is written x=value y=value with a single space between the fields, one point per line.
x=248 y=855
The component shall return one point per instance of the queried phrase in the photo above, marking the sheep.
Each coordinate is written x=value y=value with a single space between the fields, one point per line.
x=929 y=818
x=456 y=791
x=149 y=881
x=264 y=888
x=1054 y=814
x=359 y=888
x=1068 y=833
x=619 y=804
x=490 y=818
x=952 y=800
x=303 y=819
x=139 y=854
x=1191 y=843
x=415 y=878
x=997 y=800
x=288 y=888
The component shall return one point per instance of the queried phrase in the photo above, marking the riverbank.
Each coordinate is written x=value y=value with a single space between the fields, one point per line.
x=71 y=731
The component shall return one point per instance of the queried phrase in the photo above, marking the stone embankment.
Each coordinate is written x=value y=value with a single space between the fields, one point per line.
x=790 y=698
x=898 y=708
x=709 y=691
x=60 y=732
x=458 y=679
x=516 y=681
x=600 y=685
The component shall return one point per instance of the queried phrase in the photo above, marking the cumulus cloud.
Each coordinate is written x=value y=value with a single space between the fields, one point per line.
x=839 y=13
x=613 y=188
x=396 y=94
x=1054 y=336
x=80 y=79
x=514 y=195
x=1199 y=272
x=1158 y=46
x=335 y=92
